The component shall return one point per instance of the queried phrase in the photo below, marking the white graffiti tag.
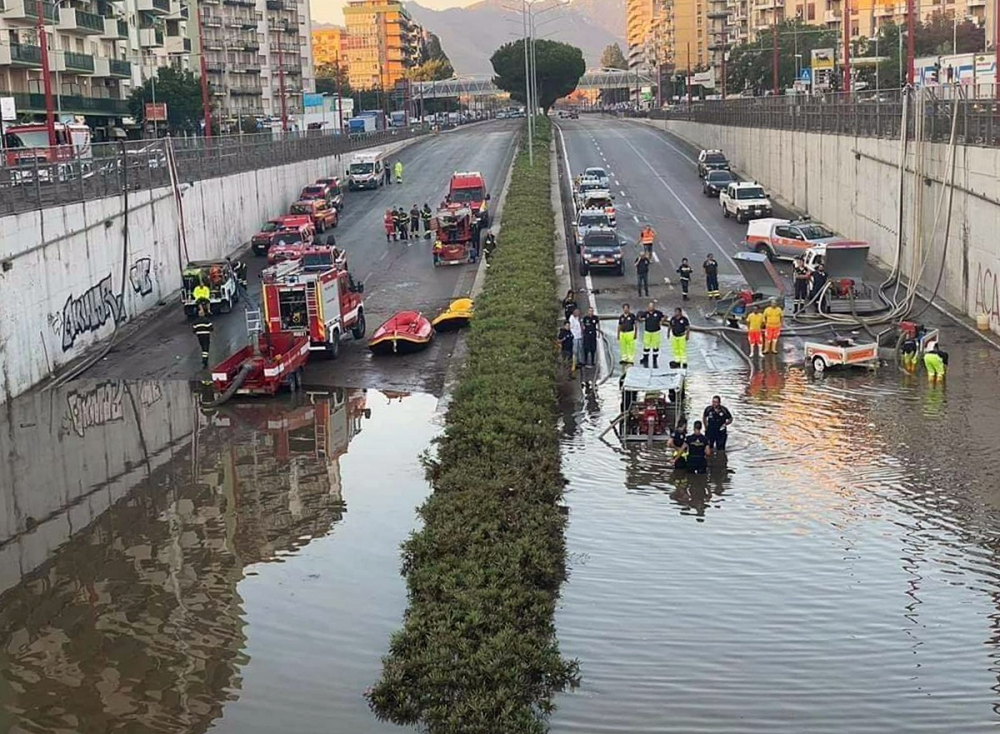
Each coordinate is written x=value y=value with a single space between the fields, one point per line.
x=91 y=311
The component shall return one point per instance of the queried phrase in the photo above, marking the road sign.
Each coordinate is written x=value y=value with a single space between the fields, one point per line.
x=806 y=75
x=156 y=112
x=8 y=111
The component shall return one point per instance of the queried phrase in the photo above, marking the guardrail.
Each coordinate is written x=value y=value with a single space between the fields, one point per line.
x=866 y=114
x=37 y=184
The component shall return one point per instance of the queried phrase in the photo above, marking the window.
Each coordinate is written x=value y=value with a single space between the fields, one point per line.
x=810 y=12
x=788 y=232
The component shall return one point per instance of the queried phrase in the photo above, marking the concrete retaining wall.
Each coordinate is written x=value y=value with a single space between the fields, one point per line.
x=61 y=269
x=852 y=185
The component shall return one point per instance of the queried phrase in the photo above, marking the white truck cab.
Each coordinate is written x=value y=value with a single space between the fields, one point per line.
x=744 y=200
x=366 y=170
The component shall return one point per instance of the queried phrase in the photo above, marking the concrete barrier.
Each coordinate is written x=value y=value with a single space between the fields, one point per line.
x=852 y=185
x=68 y=282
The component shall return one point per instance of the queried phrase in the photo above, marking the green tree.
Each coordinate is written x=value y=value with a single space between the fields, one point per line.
x=431 y=70
x=613 y=58
x=939 y=35
x=750 y=66
x=180 y=90
x=332 y=77
x=560 y=67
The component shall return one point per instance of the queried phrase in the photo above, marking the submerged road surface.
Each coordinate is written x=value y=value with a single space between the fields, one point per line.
x=397 y=276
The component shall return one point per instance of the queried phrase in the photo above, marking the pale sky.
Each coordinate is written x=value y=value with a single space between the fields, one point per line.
x=330 y=11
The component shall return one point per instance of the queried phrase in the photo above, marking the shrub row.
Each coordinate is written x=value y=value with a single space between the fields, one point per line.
x=478 y=652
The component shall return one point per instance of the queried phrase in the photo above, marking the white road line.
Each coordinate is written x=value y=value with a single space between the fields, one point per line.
x=382 y=257
x=635 y=218
x=680 y=201
x=628 y=204
x=678 y=151
x=656 y=258
x=621 y=192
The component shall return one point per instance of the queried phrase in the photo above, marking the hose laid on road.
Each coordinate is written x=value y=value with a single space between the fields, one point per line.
x=235 y=385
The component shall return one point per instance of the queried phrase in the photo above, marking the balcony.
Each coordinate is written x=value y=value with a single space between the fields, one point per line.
x=74 y=63
x=74 y=20
x=246 y=89
x=211 y=21
x=150 y=38
x=831 y=16
x=717 y=14
x=975 y=3
x=277 y=5
x=28 y=10
x=70 y=103
x=242 y=3
x=114 y=28
x=112 y=68
x=886 y=11
x=178 y=45
x=244 y=22
x=19 y=54
x=156 y=7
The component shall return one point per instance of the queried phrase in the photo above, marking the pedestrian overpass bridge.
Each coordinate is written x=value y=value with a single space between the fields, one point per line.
x=481 y=85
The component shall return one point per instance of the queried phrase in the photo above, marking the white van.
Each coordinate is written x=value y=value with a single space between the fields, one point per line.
x=366 y=170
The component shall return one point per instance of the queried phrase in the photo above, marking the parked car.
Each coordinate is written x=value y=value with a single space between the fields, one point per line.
x=322 y=214
x=335 y=194
x=745 y=200
x=716 y=181
x=600 y=174
x=711 y=160
x=589 y=219
x=602 y=249
x=784 y=238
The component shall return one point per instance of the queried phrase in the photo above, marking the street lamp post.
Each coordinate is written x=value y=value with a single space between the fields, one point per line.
x=911 y=40
x=846 y=22
x=281 y=77
x=206 y=104
x=50 y=112
x=527 y=82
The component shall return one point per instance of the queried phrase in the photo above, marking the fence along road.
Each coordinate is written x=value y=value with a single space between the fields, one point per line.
x=864 y=114
x=39 y=185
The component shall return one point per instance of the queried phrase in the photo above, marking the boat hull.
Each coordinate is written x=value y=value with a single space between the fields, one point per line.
x=406 y=332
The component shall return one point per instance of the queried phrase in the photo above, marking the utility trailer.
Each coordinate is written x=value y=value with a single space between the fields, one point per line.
x=262 y=369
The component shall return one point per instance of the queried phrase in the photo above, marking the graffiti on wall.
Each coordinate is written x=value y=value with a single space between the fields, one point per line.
x=100 y=305
x=987 y=295
x=105 y=403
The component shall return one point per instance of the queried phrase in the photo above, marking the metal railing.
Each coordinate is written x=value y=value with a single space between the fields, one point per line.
x=33 y=183
x=866 y=114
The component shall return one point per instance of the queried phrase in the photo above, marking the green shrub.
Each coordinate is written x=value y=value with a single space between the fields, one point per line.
x=478 y=652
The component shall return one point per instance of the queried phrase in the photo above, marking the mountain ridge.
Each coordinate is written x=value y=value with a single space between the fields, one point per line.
x=590 y=25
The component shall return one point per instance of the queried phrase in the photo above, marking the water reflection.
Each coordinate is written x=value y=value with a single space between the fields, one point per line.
x=129 y=516
x=838 y=574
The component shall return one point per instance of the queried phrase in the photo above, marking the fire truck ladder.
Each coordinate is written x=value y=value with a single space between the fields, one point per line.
x=253 y=322
x=312 y=300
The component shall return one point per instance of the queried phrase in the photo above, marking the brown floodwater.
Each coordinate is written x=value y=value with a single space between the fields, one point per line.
x=168 y=569
x=838 y=572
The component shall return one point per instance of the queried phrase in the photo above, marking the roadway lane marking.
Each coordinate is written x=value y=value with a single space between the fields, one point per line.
x=680 y=201
x=628 y=204
x=656 y=258
x=621 y=192
x=673 y=147
x=636 y=218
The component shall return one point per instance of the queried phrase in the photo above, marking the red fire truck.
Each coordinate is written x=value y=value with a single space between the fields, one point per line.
x=322 y=301
x=27 y=148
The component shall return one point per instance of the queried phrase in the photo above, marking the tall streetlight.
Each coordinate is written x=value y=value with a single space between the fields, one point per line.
x=527 y=82
x=206 y=104
x=282 y=27
x=50 y=112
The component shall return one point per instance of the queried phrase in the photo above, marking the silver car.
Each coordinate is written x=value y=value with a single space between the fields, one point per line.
x=589 y=219
x=600 y=174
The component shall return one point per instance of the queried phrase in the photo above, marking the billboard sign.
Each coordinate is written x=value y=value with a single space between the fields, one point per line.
x=156 y=112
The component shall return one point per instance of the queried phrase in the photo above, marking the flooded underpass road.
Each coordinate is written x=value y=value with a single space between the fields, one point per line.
x=837 y=573
x=167 y=569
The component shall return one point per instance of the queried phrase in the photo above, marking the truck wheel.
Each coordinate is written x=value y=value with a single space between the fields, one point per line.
x=333 y=346
x=294 y=382
x=320 y=227
x=358 y=330
x=818 y=363
x=725 y=212
x=740 y=217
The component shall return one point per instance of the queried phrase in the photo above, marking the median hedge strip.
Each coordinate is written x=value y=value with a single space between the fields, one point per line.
x=478 y=653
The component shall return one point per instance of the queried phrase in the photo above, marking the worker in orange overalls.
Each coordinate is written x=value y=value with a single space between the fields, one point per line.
x=647 y=237
x=389 y=222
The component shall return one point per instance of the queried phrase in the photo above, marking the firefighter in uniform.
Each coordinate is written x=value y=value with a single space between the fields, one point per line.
x=415 y=221
x=425 y=217
x=202 y=328
x=711 y=268
x=399 y=171
x=680 y=331
x=801 y=275
x=684 y=272
x=240 y=271
x=201 y=293
x=696 y=446
x=652 y=321
x=438 y=246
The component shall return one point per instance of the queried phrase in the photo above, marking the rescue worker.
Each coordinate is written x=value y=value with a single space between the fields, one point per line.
x=386 y=175
x=438 y=246
x=565 y=340
x=697 y=450
x=389 y=222
x=399 y=171
x=642 y=274
x=240 y=271
x=489 y=244
x=717 y=419
x=401 y=222
x=773 y=316
x=935 y=362
x=415 y=220
x=800 y=273
x=201 y=292
x=818 y=281
x=711 y=268
x=908 y=352
x=591 y=329
x=652 y=321
x=627 y=328
x=680 y=330
x=202 y=328
x=569 y=303
x=425 y=217
x=677 y=440
x=755 y=330
x=684 y=272
x=647 y=237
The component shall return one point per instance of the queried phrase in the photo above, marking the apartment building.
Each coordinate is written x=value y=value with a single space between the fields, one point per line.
x=328 y=45
x=639 y=33
x=382 y=42
x=256 y=52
